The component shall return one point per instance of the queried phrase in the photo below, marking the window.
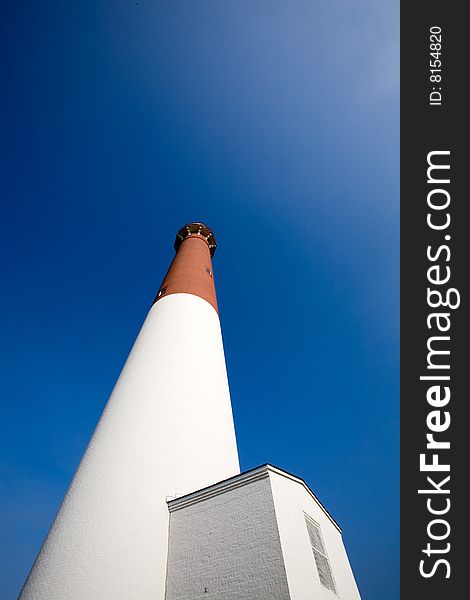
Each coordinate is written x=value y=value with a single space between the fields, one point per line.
x=321 y=559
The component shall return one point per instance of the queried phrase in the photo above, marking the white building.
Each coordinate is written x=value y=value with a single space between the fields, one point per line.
x=158 y=509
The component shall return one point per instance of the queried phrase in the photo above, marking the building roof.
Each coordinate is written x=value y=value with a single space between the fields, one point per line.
x=238 y=481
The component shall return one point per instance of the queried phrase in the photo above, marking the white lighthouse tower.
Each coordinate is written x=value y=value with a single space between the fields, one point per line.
x=166 y=430
x=158 y=508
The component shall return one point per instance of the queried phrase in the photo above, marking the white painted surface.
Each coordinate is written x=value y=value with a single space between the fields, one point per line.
x=167 y=430
x=246 y=539
x=225 y=546
x=292 y=501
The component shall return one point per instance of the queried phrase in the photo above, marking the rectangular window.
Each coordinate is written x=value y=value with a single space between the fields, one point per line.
x=321 y=559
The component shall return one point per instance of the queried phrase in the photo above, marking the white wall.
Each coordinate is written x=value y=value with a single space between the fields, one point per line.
x=227 y=547
x=167 y=429
x=291 y=501
x=246 y=539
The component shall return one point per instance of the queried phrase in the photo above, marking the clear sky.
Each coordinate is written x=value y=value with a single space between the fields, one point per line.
x=277 y=124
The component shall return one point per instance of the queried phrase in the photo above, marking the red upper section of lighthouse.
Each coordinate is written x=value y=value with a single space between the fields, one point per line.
x=191 y=269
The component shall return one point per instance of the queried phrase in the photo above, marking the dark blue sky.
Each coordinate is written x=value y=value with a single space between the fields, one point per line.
x=277 y=124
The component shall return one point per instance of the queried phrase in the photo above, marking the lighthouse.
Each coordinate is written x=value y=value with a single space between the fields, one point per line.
x=167 y=430
x=158 y=508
